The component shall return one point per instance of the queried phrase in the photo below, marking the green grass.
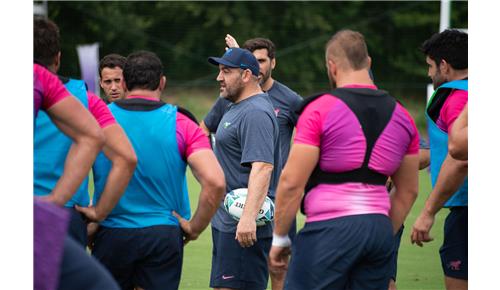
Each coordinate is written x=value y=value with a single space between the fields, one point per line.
x=418 y=268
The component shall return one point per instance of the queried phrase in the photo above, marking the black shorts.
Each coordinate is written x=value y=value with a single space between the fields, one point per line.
x=236 y=267
x=79 y=271
x=394 y=260
x=77 y=228
x=351 y=252
x=454 y=249
x=149 y=257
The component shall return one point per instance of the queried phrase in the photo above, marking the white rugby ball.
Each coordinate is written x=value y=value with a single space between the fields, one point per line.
x=234 y=202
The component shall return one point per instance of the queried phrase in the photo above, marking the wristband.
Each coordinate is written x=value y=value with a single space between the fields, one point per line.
x=281 y=241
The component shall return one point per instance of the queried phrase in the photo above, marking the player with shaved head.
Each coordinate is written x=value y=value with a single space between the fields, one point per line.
x=349 y=141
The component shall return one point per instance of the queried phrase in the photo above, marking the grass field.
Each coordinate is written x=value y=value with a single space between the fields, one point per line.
x=418 y=268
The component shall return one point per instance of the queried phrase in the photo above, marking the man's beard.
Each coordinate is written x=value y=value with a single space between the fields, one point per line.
x=437 y=80
x=233 y=93
x=265 y=77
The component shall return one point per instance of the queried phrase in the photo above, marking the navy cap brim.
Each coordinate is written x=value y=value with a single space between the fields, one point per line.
x=218 y=60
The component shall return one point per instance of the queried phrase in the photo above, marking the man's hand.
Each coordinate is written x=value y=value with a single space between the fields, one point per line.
x=246 y=232
x=278 y=258
x=189 y=234
x=230 y=41
x=91 y=233
x=90 y=213
x=421 y=228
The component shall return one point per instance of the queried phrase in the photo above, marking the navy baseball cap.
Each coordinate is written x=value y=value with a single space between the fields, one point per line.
x=237 y=57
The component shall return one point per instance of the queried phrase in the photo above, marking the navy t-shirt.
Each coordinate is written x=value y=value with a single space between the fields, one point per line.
x=248 y=132
x=284 y=101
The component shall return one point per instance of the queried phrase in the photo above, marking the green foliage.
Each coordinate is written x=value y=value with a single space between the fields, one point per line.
x=185 y=33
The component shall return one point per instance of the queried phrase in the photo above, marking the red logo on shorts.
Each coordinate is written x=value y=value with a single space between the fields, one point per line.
x=455 y=265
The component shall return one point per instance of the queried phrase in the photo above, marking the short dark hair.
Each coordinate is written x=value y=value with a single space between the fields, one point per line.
x=143 y=70
x=46 y=42
x=260 y=43
x=450 y=45
x=111 y=61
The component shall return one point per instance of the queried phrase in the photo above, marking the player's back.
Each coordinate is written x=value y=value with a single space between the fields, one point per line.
x=158 y=184
x=354 y=136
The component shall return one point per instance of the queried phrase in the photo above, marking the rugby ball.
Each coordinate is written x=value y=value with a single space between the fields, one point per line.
x=234 y=202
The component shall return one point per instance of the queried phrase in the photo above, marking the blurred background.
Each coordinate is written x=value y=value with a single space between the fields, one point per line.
x=185 y=33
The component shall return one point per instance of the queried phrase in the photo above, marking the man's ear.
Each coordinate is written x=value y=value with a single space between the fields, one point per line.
x=246 y=75
x=444 y=67
x=163 y=83
x=122 y=82
x=273 y=63
x=57 y=61
x=332 y=67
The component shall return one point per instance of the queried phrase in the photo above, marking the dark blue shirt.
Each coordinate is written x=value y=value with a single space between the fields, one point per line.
x=248 y=132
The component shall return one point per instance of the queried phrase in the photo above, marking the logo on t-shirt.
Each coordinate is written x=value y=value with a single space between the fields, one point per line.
x=276 y=111
x=226 y=124
x=455 y=265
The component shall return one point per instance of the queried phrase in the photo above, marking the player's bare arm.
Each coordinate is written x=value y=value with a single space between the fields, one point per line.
x=71 y=117
x=298 y=169
x=258 y=186
x=424 y=158
x=120 y=152
x=405 y=191
x=207 y=170
x=451 y=176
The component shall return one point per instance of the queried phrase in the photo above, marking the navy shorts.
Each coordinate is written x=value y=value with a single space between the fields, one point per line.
x=80 y=271
x=454 y=249
x=351 y=252
x=150 y=257
x=77 y=228
x=394 y=260
x=236 y=267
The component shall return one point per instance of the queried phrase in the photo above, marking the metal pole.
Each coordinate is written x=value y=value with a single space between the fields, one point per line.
x=444 y=20
x=41 y=8
x=444 y=23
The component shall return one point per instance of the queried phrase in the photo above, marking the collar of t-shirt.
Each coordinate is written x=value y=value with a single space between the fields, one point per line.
x=140 y=103
x=272 y=87
x=360 y=86
x=251 y=97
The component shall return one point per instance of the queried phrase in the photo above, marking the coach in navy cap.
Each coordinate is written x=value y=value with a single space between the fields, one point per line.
x=237 y=58
x=248 y=151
